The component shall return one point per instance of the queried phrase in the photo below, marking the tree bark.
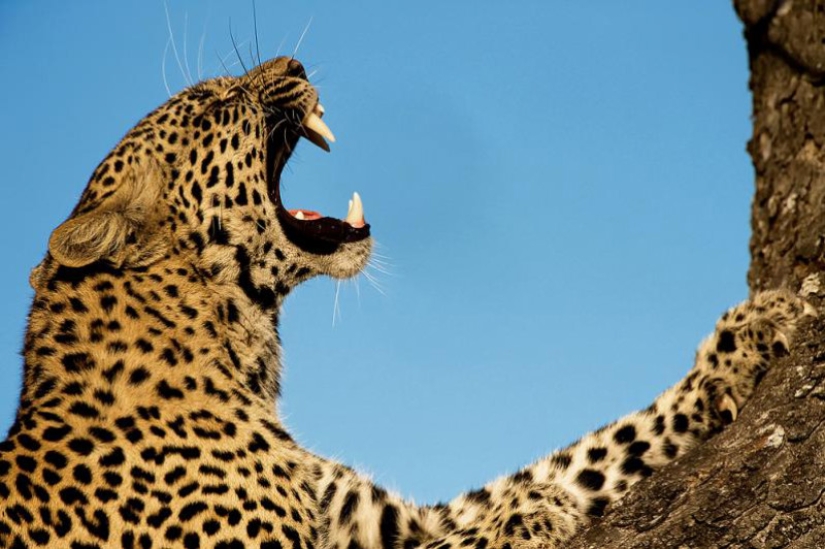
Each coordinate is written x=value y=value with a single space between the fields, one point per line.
x=760 y=483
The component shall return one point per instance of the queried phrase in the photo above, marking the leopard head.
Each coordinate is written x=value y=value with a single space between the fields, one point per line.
x=198 y=179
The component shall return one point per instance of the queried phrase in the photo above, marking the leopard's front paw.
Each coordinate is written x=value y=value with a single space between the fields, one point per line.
x=748 y=338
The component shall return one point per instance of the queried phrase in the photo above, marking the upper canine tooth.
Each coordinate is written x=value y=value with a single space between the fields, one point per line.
x=319 y=109
x=314 y=123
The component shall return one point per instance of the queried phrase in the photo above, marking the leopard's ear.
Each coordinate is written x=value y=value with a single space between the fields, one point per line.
x=90 y=237
x=120 y=229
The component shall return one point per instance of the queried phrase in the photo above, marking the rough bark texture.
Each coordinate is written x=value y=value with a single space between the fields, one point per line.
x=761 y=483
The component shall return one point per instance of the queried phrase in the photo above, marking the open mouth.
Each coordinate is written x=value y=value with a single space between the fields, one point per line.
x=309 y=229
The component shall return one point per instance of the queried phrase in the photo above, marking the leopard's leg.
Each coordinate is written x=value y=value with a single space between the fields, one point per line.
x=598 y=469
x=747 y=339
x=548 y=501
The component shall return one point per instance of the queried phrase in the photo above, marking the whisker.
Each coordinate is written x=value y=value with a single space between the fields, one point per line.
x=260 y=73
x=286 y=142
x=374 y=282
x=380 y=268
x=255 y=25
x=185 y=53
x=336 y=310
x=382 y=258
x=225 y=58
x=357 y=283
x=163 y=68
x=200 y=49
x=379 y=260
x=301 y=39
x=225 y=68
x=234 y=64
x=272 y=131
x=280 y=46
x=234 y=45
x=172 y=39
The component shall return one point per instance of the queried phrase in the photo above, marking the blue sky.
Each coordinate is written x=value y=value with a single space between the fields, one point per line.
x=560 y=193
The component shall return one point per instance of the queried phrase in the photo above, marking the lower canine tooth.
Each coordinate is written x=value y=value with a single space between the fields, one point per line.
x=299 y=215
x=355 y=217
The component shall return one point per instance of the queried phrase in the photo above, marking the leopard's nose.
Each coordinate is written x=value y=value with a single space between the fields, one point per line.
x=277 y=68
x=296 y=69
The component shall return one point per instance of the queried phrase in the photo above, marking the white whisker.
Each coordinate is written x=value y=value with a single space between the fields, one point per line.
x=374 y=282
x=163 y=69
x=225 y=68
x=235 y=63
x=336 y=311
x=380 y=262
x=200 y=50
x=172 y=39
x=237 y=51
x=280 y=46
x=185 y=53
x=225 y=58
x=301 y=39
x=380 y=268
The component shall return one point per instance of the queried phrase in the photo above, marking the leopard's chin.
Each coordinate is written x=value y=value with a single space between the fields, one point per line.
x=307 y=229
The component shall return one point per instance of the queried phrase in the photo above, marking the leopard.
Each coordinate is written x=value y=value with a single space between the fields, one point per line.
x=148 y=410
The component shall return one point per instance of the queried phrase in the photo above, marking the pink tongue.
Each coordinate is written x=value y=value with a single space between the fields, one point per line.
x=309 y=215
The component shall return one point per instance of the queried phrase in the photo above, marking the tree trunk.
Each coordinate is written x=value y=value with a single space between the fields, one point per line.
x=761 y=482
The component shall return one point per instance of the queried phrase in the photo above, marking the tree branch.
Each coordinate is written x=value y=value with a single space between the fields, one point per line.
x=761 y=483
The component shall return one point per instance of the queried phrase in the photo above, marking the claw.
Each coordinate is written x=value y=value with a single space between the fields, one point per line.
x=781 y=339
x=725 y=403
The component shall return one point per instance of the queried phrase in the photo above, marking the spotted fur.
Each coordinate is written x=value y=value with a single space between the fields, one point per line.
x=147 y=416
